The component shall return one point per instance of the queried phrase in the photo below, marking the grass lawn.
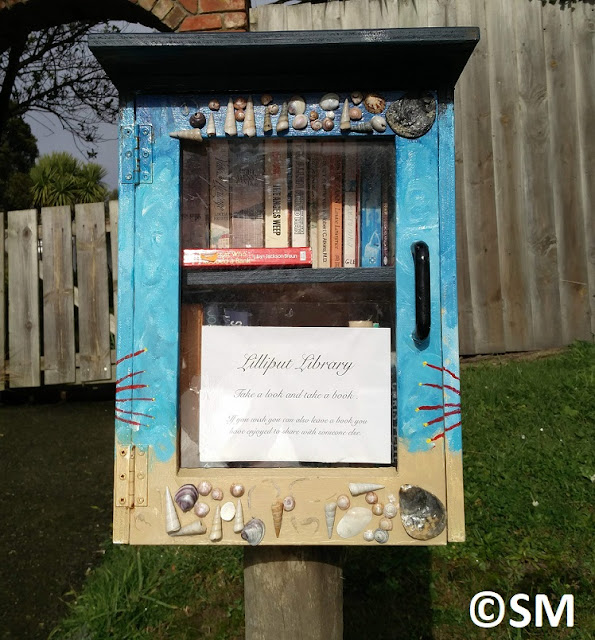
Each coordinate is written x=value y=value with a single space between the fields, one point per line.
x=529 y=457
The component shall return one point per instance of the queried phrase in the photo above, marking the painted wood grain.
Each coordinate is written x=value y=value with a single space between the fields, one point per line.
x=94 y=334
x=113 y=221
x=58 y=296
x=23 y=307
x=2 y=306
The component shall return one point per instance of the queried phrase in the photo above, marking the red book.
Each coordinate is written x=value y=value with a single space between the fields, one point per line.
x=251 y=257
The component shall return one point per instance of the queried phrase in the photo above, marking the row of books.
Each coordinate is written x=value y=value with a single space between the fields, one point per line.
x=333 y=200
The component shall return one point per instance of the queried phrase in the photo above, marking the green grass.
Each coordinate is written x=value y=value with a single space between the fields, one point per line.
x=529 y=466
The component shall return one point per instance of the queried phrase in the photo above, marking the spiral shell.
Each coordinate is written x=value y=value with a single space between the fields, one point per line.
x=371 y=497
x=288 y=503
x=239 y=103
x=187 y=134
x=186 y=496
x=300 y=122
x=197 y=120
x=240 y=115
x=195 y=528
x=313 y=115
x=328 y=124
x=330 y=509
x=381 y=536
x=266 y=98
x=274 y=109
x=374 y=103
x=369 y=535
x=316 y=125
x=355 y=113
x=378 y=509
x=296 y=105
x=267 y=124
x=253 y=532
x=217 y=494
x=362 y=127
x=204 y=488
x=358 y=488
x=283 y=121
x=277 y=510
x=249 y=128
x=229 y=126
x=236 y=490
x=238 y=524
x=343 y=502
x=390 y=510
x=385 y=524
x=201 y=509
x=214 y=104
x=345 y=124
x=172 y=522
x=211 y=128
x=217 y=527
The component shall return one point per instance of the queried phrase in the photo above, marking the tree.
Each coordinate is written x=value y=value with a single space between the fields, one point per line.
x=60 y=179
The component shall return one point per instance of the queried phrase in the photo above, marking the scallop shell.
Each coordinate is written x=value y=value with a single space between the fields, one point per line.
x=288 y=503
x=236 y=490
x=374 y=103
x=316 y=125
x=217 y=494
x=343 y=502
x=217 y=526
x=187 y=134
x=197 y=120
x=266 y=98
x=267 y=124
x=214 y=104
x=211 y=128
x=355 y=113
x=385 y=524
x=238 y=524
x=283 y=121
x=362 y=127
x=277 y=510
x=369 y=535
x=240 y=103
x=381 y=536
x=358 y=488
x=329 y=102
x=249 y=128
x=186 y=496
x=357 y=97
x=195 y=528
x=300 y=122
x=330 y=509
x=354 y=522
x=423 y=515
x=201 y=509
x=371 y=497
x=345 y=121
x=328 y=124
x=230 y=121
x=172 y=522
x=254 y=531
x=378 y=123
x=390 y=510
x=296 y=106
x=204 y=488
x=412 y=115
x=228 y=511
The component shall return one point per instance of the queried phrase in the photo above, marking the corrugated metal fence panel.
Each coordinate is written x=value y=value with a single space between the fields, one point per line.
x=525 y=188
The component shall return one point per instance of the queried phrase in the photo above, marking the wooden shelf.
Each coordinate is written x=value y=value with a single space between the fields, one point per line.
x=298 y=275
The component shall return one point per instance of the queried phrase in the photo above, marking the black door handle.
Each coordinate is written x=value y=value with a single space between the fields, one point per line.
x=421 y=260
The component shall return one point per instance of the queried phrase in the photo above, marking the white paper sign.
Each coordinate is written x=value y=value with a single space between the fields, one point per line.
x=295 y=394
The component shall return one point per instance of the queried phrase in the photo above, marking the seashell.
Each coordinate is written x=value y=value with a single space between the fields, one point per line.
x=423 y=515
x=390 y=510
x=201 y=509
x=328 y=124
x=362 y=127
x=369 y=535
x=274 y=109
x=371 y=497
x=204 y=488
x=296 y=106
x=354 y=522
x=236 y=490
x=217 y=527
x=300 y=122
x=249 y=128
x=313 y=115
x=195 y=528
x=172 y=522
x=316 y=125
x=266 y=98
x=187 y=134
x=197 y=120
x=277 y=509
x=374 y=103
x=378 y=123
x=381 y=536
x=288 y=503
x=343 y=502
x=412 y=115
x=240 y=103
x=330 y=510
x=283 y=121
x=217 y=494
x=254 y=531
x=214 y=104
x=378 y=509
x=386 y=524
x=392 y=498
x=330 y=114
x=267 y=125
x=357 y=488
x=329 y=102
x=355 y=113
x=238 y=525
x=230 y=121
x=239 y=116
x=228 y=511
x=357 y=97
x=345 y=122
x=186 y=496
x=211 y=128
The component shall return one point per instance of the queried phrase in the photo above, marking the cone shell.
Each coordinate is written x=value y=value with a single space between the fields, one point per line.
x=362 y=127
x=172 y=522
x=249 y=121
x=267 y=124
x=330 y=510
x=357 y=488
x=277 y=510
x=195 y=528
x=254 y=531
x=216 y=527
x=230 y=120
x=423 y=515
x=238 y=525
x=283 y=121
x=187 y=134
x=211 y=128
x=345 y=120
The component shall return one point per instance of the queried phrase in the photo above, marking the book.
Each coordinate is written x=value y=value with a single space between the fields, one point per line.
x=219 y=195
x=299 y=194
x=247 y=194
x=194 y=223
x=336 y=205
x=276 y=213
x=323 y=201
x=350 y=210
x=313 y=198
x=387 y=207
x=370 y=203
x=256 y=257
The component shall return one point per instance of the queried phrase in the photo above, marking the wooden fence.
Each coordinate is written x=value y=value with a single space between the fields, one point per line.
x=61 y=295
x=524 y=109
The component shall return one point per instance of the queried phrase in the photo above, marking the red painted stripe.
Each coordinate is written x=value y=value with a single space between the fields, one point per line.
x=131 y=386
x=137 y=424
x=135 y=413
x=130 y=355
x=131 y=399
x=129 y=376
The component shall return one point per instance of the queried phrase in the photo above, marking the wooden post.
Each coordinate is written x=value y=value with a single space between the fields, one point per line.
x=293 y=593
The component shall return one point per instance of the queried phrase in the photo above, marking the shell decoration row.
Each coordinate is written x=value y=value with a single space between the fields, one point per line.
x=409 y=116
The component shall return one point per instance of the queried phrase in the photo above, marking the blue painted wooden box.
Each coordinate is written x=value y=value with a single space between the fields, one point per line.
x=187 y=101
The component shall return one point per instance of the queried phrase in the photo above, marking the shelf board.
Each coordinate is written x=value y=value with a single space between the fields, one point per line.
x=234 y=277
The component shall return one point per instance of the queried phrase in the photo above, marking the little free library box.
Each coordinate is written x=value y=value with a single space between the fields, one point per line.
x=287 y=305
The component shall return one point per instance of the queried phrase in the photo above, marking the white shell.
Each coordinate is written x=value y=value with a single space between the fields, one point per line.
x=390 y=510
x=371 y=497
x=187 y=134
x=228 y=511
x=357 y=488
x=330 y=510
x=385 y=524
x=357 y=97
x=204 y=488
x=379 y=123
x=288 y=503
x=195 y=528
x=343 y=502
x=369 y=535
x=380 y=535
x=172 y=522
x=354 y=522
x=283 y=121
x=230 y=127
x=392 y=498
x=216 y=527
x=345 y=120
x=201 y=509
x=249 y=127
x=300 y=122
x=238 y=525
x=329 y=102
x=217 y=494
x=211 y=128
x=297 y=105
x=378 y=509
x=330 y=114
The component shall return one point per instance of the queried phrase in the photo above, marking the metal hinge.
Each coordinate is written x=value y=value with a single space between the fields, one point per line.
x=136 y=160
x=131 y=477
